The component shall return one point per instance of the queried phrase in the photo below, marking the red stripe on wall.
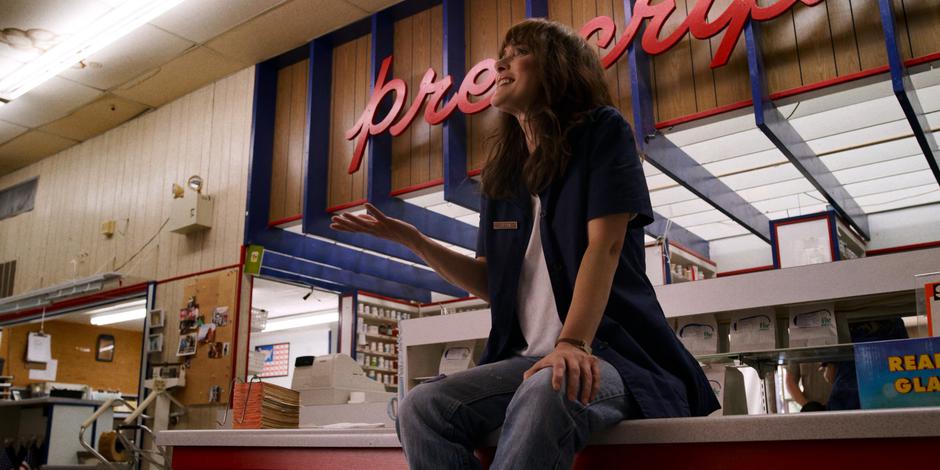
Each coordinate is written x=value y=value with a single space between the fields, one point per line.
x=418 y=187
x=745 y=271
x=795 y=91
x=902 y=248
x=347 y=205
x=286 y=220
x=77 y=301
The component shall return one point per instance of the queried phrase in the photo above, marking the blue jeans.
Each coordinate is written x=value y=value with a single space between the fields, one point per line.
x=440 y=422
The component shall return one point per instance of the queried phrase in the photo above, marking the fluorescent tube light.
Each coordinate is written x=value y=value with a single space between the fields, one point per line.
x=103 y=31
x=127 y=311
x=298 y=321
x=130 y=305
x=117 y=317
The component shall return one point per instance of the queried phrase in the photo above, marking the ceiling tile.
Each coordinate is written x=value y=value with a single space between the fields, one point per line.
x=30 y=148
x=57 y=16
x=9 y=130
x=143 y=49
x=53 y=99
x=198 y=67
x=284 y=28
x=373 y=6
x=203 y=20
x=95 y=118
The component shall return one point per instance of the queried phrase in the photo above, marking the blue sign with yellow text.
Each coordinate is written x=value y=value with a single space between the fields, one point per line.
x=898 y=374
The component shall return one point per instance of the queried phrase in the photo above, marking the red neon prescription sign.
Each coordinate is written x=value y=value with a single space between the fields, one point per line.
x=482 y=76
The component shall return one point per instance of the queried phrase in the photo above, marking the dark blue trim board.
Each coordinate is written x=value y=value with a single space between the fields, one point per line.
x=677 y=233
x=906 y=94
x=791 y=144
x=458 y=187
x=675 y=163
x=279 y=265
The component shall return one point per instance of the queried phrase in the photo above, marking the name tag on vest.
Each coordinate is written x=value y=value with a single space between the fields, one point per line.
x=506 y=225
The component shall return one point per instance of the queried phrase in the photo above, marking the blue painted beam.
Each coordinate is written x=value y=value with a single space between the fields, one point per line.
x=432 y=224
x=776 y=127
x=262 y=148
x=905 y=93
x=295 y=278
x=677 y=233
x=671 y=160
x=319 y=97
x=354 y=261
x=458 y=187
x=380 y=161
x=316 y=220
x=351 y=281
x=536 y=8
x=321 y=227
x=379 y=179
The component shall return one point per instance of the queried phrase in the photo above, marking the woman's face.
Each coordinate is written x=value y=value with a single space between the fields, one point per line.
x=517 y=80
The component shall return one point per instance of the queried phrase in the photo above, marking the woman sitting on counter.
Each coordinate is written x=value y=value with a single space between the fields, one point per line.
x=578 y=340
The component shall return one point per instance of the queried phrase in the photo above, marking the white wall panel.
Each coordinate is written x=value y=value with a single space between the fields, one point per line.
x=125 y=175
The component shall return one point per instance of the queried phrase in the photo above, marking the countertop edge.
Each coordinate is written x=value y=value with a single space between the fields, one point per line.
x=865 y=424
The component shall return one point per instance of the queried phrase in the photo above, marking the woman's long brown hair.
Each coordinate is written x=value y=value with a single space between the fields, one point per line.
x=571 y=84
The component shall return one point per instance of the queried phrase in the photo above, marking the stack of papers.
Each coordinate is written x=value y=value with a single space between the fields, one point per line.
x=266 y=406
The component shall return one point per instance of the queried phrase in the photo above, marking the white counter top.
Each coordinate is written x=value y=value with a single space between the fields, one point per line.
x=909 y=422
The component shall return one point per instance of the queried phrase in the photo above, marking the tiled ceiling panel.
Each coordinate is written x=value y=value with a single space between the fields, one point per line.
x=47 y=102
x=95 y=118
x=33 y=25
x=31 y=147
x=198 y=67
x=373 y=6
x=9 y=130
x=284 y=28
x=202 y=20
x=141 y=50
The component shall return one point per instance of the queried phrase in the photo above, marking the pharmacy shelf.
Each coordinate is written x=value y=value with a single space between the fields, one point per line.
x=385 y=338
x=377 y=319
x=837 y=280
x=376 y=353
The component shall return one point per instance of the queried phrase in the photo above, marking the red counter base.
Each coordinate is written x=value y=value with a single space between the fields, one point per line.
x=834 y=454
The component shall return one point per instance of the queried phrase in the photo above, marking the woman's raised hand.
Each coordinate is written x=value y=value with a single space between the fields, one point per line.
x=377 y=224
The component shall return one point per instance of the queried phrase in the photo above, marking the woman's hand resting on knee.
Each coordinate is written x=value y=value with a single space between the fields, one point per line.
x=582 y=370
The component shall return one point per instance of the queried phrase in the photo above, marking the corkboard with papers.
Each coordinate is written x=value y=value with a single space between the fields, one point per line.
x=199 y=314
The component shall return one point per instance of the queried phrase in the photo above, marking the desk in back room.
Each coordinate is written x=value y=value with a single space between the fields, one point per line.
x=52 y=422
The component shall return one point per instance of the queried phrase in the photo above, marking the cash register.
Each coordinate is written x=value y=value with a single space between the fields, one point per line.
x=334 y=389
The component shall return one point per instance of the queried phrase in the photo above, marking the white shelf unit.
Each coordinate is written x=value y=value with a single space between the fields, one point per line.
x=376 y=337
x=423 y=341
x=470 y=304
x=860 y=288
x=670 y=263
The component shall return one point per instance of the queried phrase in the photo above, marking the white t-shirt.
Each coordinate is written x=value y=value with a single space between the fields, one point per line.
x=538 y=315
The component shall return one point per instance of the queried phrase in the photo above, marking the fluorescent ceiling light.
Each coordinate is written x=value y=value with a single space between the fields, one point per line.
x=117 y=317
x=124 y=306
x=297 y=321
x=127 y=311
x=104 y=30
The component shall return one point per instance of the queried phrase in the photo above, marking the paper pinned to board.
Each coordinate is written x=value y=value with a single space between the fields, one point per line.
x=39 y=347
x=52 y=366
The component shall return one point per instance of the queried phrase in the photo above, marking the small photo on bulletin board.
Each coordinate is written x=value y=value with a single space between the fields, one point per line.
x=276 y=359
